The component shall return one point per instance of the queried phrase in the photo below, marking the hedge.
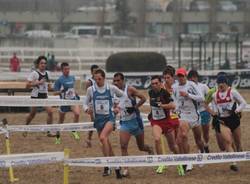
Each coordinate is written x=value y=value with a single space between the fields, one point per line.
x=135 y=62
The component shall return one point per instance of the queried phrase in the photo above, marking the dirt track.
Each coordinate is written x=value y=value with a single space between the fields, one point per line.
x=53 y=174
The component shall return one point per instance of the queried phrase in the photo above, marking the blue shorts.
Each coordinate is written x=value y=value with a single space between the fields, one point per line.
x=65 y=109
x=132 y=126
x=205 y=117
x=99 y=124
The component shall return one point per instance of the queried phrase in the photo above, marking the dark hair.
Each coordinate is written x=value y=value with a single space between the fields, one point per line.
x=169 y=70
x=93 y=67
x=100 y=71
x=156 y=77
x=222 y=77
x=39 y=59
x=192 y=73
x=64 y=65
x=119 y=74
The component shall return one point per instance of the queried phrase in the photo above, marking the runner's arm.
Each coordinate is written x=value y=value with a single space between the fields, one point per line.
x=138 y=94
x=57 y=87
x=197 y=96
x=168 y=106
x=240 y=100
x=87 y=99
x=116 y=91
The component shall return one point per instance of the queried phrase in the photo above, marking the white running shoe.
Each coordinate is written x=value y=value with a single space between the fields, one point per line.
x=189 y=167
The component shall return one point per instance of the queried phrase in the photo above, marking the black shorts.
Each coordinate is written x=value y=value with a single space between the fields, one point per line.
x=41 y=96
x=232 y=122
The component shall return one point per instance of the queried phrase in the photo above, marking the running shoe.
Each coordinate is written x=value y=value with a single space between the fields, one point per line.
x=161 y=169
x=125 y=173
x=151 y=151
x=49 y=134
x=189 y=167
x=118 y=173
x=206 y=149
x=106 y=171
x=58 y=140
x=76 y=135
x=25 y=134
x=234 y=167
x=180 y=170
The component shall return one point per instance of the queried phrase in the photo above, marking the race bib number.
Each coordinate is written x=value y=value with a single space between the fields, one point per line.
x=43 y=88
x=70 y=93
x=102 y=107
x=158 y=113
x=224 y=108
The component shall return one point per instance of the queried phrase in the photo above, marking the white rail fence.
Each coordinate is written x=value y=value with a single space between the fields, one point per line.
x=84 y=57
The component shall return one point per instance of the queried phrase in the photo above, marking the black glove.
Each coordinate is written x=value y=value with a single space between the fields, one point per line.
x=216 y=123
x=130 y=110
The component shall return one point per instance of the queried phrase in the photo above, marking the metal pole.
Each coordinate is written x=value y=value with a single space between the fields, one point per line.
x=205 y=55
x=179 y=51
x=237 y=49
x=241 y=47
x=192 y=55
x=226 y=50
x=213 y=47
x=200 y=52
x=219 y=55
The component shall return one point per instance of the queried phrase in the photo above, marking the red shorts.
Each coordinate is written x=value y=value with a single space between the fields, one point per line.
x=167 y=125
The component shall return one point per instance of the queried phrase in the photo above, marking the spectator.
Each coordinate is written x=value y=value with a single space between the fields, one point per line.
x=52 y=64
x=15 y=63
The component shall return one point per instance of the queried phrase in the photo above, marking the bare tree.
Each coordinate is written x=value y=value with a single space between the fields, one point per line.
x=102 y=17
x=63 y=11
x=212 y=15
x=140 y=26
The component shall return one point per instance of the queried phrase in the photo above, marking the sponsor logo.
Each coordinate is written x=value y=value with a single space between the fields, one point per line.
x=98 y=161
x=150 y=159
x=248 y=155
x=199 y=157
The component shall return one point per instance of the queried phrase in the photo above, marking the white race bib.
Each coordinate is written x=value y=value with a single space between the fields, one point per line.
x=43 y=88
x=102 y=107
x=158 y=113
x=70 y=93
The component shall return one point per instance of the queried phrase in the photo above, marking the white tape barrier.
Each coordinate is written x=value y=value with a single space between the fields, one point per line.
x=21 y=101
x=156 y=160
x=26 y=101
x=87 y=126
x=30 y=159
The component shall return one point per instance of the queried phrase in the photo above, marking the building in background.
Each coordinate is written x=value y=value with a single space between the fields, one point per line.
x=161 y=18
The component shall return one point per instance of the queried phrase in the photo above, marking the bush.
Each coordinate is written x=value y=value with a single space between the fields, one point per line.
x=135 y=62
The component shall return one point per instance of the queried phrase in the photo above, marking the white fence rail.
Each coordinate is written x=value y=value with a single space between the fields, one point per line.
x=84 y=57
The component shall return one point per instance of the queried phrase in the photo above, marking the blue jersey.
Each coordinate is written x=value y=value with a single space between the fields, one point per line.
x=66 y=85
x=102 y=103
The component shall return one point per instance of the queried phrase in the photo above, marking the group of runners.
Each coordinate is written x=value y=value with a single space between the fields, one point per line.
x=178 y=104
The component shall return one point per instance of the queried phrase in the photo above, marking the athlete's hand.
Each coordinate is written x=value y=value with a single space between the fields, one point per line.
x=116 y=110
x=89 y=111
x=38 y=82
x=183 y=93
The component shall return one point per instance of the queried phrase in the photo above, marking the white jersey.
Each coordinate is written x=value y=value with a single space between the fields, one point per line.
x=42 y=88
x=125 y=102
x=187 y=107
x=224 y=101
x=204 y=91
